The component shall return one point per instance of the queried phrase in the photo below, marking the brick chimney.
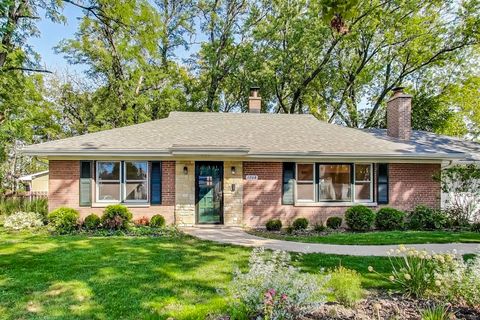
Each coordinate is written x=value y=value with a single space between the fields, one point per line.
x=254 y=101
x=399 y=115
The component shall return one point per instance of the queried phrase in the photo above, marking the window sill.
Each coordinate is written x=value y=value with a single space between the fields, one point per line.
x=128 y=205
x=334 y=204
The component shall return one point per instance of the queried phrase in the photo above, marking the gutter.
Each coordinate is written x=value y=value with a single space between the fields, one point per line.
x=242 y=152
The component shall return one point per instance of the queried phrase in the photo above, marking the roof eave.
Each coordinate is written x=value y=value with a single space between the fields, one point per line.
x=241 y=152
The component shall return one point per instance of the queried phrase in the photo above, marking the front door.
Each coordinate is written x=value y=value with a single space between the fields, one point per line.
x=209 y=192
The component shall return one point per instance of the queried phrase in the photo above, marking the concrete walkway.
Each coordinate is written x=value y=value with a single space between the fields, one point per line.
x=237 y=236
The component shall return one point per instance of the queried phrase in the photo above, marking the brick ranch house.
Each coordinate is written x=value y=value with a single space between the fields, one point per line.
x=242 y=169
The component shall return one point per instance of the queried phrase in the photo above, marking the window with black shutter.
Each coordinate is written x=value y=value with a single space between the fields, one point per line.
x=85 y=183
x=288 y=183
x=382 y=183
x=156 y=183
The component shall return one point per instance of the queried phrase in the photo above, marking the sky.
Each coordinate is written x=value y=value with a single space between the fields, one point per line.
x=51 y=34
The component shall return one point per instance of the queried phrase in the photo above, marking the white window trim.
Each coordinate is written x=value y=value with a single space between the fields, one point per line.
x=128 y=181
x=312 y=181
x=350 y=202
x=97 y=182
x=370 y=200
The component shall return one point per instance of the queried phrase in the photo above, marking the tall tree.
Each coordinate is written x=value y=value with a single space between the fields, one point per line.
x=121 y=42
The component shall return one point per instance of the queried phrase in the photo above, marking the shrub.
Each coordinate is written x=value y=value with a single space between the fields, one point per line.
x=23 y=220
x=415 y=271
x=319 y=227
x=10 y=206
x=360 y=218
x=91 y=222
x=143 y=221
x=273 y=289
x=116 y=217
x=461 y=282
x=390 y=219
x=346 y=286
x=425 y=218
x=300 y=224
x=334 y=222
x=157 y=221
x=475 y=227
x=273 y=225
x=63 y=220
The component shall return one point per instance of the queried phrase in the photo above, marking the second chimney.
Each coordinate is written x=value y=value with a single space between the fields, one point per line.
x=254 y=101
x=399 y=115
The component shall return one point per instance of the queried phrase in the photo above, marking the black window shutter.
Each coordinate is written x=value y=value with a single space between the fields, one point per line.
x=382 y=183
x=156 y=183
x=85 y=183
x=288 y=183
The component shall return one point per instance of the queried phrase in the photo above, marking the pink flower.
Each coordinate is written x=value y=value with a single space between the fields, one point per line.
x=284 y=297
x=271 y=292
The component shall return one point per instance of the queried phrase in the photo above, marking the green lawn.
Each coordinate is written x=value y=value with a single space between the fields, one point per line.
x=66 y=277
x=378 y=237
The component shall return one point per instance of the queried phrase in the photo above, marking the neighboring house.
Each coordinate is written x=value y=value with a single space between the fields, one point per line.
x=36 y=183
x=246 y=168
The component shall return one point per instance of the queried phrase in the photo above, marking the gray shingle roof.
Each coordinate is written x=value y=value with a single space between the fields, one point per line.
x=470 y=148
x=241 y=134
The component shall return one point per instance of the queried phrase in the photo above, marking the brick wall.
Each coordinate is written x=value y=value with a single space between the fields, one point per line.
x=410 y=185
x=413 y=184
x=64 y=190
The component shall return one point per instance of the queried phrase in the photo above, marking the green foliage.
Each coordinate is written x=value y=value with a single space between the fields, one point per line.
x=319 y=227
x=416 y=271
x=63 y=220
x=334 y=222
x=91 y=222
x=11 y=205
x=475 y=227
x=157 y=221
x=300 y=224
x=274 y=225
x=23 y=220
x=437 y=312
x=390 y=219
x=425 y=218
x=116 y=217
x=346 y=286
x=461 y=282
x=360 y=218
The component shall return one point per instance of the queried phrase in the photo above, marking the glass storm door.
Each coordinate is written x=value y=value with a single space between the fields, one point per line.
x=209 y=192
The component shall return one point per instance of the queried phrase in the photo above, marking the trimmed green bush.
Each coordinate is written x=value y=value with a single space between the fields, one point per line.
x=274 y=225
x=425 y=218
x=91 y=222
x=346 y=286
x=390 y=219
x=360 y=218
x=334 y=222
x=300 y=224
x=63 y=220
x=157 y=221
x=116 y=217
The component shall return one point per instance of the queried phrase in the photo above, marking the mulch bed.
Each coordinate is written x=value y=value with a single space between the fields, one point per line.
x=383 y=306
